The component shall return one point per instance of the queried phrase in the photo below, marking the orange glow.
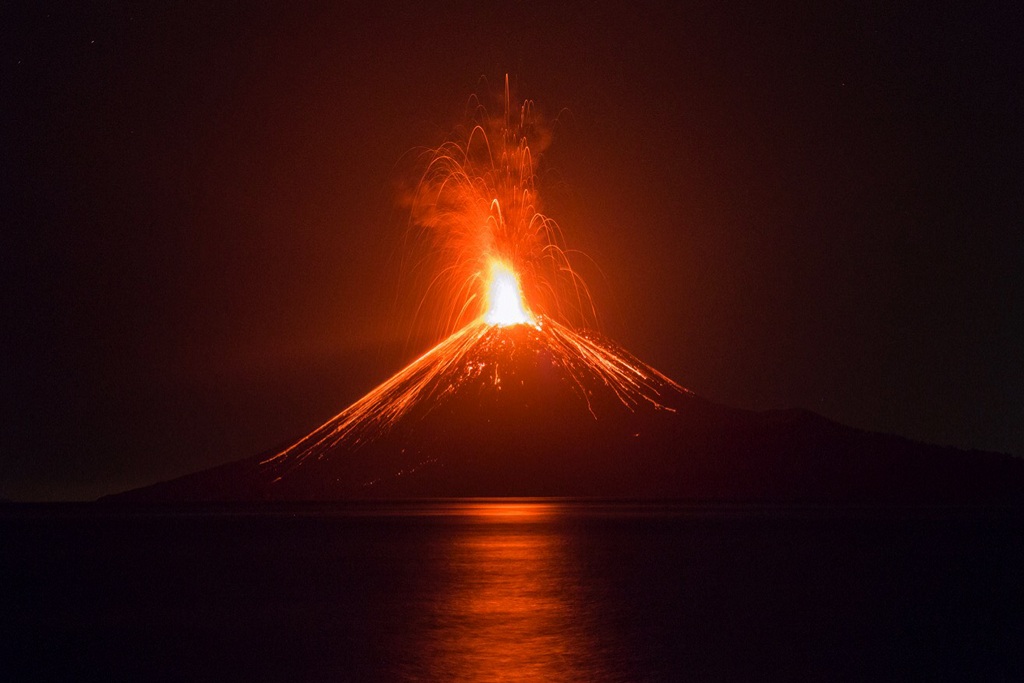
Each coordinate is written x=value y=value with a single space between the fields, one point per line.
x=477 y=206
x=510 y=609
x=509 y=510
x=477 y=214
x=505 y=298
x=455 y=362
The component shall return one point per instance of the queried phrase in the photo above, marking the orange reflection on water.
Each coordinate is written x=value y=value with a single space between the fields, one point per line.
x=512 y=608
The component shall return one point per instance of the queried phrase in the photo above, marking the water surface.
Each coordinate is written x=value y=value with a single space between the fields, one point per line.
x=531 y=590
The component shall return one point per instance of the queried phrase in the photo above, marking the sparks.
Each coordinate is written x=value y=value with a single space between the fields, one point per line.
x=429 y=380
x=498 y=276
x=475 y=213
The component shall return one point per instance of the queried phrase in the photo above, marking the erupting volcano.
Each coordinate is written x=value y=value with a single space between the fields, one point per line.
x=521 y=398
x=477 y=207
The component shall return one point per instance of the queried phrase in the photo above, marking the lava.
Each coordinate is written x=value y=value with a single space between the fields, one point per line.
x=476 y=204
x=505 y=304
x=505 y=276
x=590 y=364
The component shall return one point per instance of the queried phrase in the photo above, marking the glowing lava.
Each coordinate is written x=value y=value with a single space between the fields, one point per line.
x=505 y=298
x=474 y=356
x=490 y=250
x=482 y=239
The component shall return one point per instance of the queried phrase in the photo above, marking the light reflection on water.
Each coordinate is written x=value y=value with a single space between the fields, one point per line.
x=510 y=590
x=511 y=604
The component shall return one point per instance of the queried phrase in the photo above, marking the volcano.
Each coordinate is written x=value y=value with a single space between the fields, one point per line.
x=540 y=410
x=517 y=403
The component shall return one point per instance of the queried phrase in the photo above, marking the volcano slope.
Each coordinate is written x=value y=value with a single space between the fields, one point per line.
x=542 y=411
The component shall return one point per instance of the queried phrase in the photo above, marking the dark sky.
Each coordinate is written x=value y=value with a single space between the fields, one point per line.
x=814 y=206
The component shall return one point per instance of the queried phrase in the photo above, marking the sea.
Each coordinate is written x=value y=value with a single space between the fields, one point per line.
x=510 y=590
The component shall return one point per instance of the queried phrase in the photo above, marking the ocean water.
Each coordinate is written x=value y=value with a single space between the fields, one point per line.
x=525 y=590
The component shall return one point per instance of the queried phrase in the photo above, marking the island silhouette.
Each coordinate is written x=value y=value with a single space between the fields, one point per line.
x=507 y=411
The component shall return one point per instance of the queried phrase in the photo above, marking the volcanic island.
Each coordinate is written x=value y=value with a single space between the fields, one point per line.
x=515 y=401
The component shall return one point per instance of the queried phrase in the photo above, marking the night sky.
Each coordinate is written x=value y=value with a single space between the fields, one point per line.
x=809 y=206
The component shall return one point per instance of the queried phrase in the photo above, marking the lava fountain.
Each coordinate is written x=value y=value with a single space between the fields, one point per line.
x=505 y=305
x=497 y=276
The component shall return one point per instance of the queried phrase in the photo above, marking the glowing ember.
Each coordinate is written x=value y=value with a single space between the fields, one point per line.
x=494 y=250
x=467 y=357
x=476 y=205
x=505 y=299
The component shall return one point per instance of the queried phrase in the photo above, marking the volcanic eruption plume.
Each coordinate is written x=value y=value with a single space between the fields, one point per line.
x=501 y=287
